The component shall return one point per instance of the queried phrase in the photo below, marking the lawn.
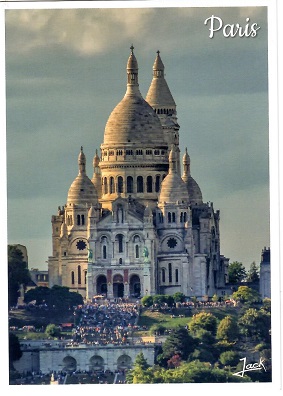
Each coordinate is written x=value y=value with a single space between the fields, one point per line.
x=149 y=318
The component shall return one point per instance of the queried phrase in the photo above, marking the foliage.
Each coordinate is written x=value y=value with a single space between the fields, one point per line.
x=227 y=329
x=179 y=297
x=205 y=336
x=158 y=299
x=236 y=272
x=201 y=354
x=147 y=301
x=40 y=294
x=245 y=294
x=58 y=296
x=229 y=358
x=267 y=304
x=178 y=342
x=18 y=274
x=157 y=329
x=169 y=300
x=175 y=361
x=15 y=352
x=256 y=323
x=141 y=371
x=203 y=320
x=52 y=330
x=215 y=298
x=253 y=273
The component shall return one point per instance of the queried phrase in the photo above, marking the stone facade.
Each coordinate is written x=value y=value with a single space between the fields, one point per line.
x=138 y=227
x=83 y=358
x=264 y=274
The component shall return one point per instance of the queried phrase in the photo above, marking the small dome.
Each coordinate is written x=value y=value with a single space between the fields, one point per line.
x=173 y=189
x=194 y=191
x=82 y=190
x=96 y=160
x=132 y=63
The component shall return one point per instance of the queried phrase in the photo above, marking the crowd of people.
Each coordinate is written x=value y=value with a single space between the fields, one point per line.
x=106 y=322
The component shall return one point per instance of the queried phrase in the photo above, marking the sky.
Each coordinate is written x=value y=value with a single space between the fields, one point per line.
x=66 y=71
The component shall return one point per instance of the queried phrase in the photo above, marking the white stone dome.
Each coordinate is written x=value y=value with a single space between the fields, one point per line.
x=82 y=190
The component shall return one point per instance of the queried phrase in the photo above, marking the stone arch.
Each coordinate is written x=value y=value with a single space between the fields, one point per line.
x=96 y=363
x=118 y=286
x=69 y=364
x=101 y=284
x=135 y=285
x=124 y=362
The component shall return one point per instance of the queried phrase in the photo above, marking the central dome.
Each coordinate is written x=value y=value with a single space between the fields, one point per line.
x=133 y=120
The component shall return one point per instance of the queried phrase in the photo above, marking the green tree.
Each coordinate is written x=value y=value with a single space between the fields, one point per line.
x=179 y=342
x=203 y=320
x=215 y=298
x=227 y=329
x=52 y=330
x=245 y=294
x=256 y=323
x=15 y=352
x=18 y=274
x=236 y=272
x=253 y=273
x=147 y=301
x=229 y=358
x=267 y=304
x=40 y=294
x=179 y=297
x=141 y=373
x=169 y=300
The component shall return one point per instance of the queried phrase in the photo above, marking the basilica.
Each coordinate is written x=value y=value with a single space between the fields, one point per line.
x=139 y=225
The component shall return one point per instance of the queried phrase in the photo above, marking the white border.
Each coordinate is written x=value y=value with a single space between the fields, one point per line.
x=275 y=9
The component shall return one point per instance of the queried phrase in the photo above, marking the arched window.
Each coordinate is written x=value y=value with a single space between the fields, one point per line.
x=79 y=275
x=111 y=185
x=104 y=252
x=169 y=217
x=139 y=184
x=130 y=184
x=85 y=274
x=78 y=220
x=72 y=277
x=176 y=275
x=119 y=239
x=173 y=217
x=120 y=261
x=185 y=217
x=157 y=183
x=83 y=219
x=181 y=217
x=105 y=186
x=120 y=184
x=170 y=272
x=104 y=243
x=163 y=275
x=137 y=251
x=149 y=184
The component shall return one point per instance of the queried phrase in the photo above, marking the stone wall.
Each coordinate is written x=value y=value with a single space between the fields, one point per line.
x=83 y=358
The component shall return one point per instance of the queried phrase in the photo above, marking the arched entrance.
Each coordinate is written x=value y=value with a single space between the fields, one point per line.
x=135 y=286
x=69 y=364
x=96 y=363
x=118 y=286
x=124 y=362
x=101 y=285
